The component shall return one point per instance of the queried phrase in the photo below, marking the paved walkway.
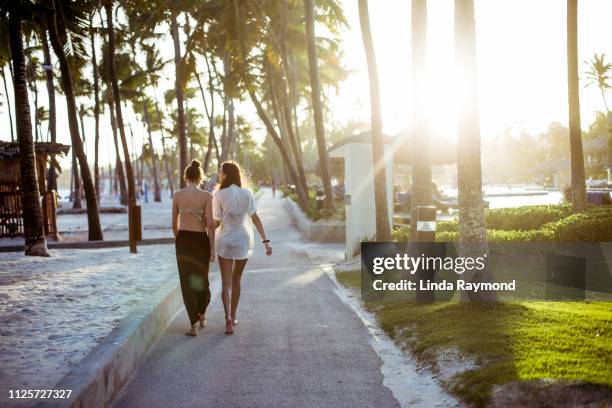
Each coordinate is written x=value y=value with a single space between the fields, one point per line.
x=297 y=343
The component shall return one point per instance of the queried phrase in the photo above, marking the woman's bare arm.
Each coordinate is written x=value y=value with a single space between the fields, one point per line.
x=262 y=233
x=175 y=215
x=210 y=227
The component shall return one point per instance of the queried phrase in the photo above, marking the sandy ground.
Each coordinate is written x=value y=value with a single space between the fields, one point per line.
x=54 y=311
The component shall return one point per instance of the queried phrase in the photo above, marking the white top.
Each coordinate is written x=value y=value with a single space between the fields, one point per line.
x=234 y=206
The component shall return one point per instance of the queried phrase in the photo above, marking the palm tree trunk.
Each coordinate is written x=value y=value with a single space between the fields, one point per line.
x=285 y=136
x=229 y=148
x=302 y=197
x=119 y=116
x=52 y=175
x=421 y=164
x=96 y=89
x=288 y=122
x=123 y=195
x=56 y=23
x=383 y=228
x=295 y=99
x=211 y=121
x=576 y=154
x=285 y=126
x=35 y=242
x=157 y=193
x=317 y=106
x=472 y=231
x=8 y=104
x=134 y=160
x=178 y=67
x=163 y=143
x=76 y=184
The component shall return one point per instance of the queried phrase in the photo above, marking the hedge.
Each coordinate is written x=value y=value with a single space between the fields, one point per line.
x=592 y=225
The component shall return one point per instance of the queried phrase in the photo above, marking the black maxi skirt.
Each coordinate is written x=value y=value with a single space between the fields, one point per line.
x=192 y=258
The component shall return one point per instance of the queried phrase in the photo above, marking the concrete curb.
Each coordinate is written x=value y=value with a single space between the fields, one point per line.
x=320 y=231
x=100 y=376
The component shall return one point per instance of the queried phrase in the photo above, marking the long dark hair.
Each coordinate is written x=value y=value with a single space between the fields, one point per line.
x=233 y=175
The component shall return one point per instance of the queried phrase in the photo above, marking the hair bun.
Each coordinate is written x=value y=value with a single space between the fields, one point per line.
x=195 y=163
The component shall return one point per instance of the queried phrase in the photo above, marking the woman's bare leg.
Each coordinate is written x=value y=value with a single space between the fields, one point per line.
x=225 y=265
x=236 y=276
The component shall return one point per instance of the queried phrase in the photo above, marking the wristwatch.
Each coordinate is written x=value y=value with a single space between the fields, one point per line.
x=265 y=241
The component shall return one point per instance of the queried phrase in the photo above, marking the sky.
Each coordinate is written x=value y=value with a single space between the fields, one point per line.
x=521 y=52
x=521 y=62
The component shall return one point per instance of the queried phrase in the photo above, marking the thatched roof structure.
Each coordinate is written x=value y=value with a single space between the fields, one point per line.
x=10 y=174
x=10 y=150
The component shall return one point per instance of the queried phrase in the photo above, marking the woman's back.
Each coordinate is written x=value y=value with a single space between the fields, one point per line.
x=192 y=205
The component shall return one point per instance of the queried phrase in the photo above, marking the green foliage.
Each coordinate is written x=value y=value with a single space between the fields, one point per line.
x=507 y=341
x=593 y=225
x=312 y=210
x=525 y=218
x=533 y=224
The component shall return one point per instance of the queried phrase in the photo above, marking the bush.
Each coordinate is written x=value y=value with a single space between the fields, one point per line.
x=592 y=225
x=525 y=218
x=311 y=209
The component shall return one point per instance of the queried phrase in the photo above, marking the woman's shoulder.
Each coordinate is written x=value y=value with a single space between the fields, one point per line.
x=206 y=195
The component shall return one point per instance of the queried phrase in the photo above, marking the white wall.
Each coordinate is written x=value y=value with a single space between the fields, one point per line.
x=359 y=184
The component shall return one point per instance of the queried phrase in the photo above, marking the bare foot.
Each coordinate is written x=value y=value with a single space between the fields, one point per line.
x=203 y=321
x=229 y=326
x=235 y=321
x=193 y=332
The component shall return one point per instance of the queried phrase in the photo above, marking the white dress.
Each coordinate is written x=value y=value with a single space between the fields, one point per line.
x=234 y=206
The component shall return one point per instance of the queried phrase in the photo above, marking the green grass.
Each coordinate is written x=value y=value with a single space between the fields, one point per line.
x=508 y=341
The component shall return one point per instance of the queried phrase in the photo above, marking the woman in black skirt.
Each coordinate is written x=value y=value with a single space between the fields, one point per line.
x=192 y=224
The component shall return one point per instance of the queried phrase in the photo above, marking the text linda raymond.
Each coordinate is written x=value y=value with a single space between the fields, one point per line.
x=463 y=285
x=411 y=264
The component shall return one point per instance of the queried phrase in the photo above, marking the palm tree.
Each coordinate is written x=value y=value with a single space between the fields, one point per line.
x=421 y=165
x=48 y=67
x=145 y=114
x=123 y=195
x=57 y=30
x=108 y=5
x=5 y=57
x=242 y=47
x=35 y=242
x=8 y=100
x=472 y=230
x=316 y=103
x=383 y=229
x=576 y=154
x=600 y=75
x=96 y=91
x=178 y=83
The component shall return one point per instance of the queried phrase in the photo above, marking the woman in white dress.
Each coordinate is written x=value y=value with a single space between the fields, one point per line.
x=235 y=214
